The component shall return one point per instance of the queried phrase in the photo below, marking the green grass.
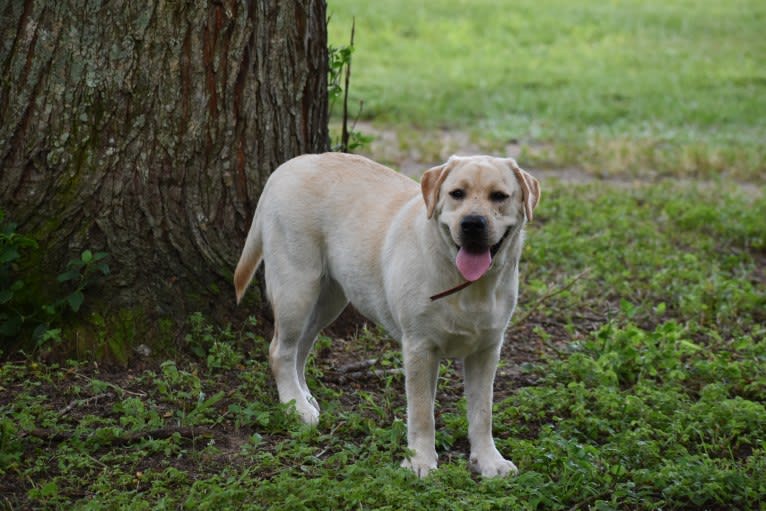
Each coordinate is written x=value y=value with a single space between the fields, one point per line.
x=674 y=88
x=634 y=372
x=634 y=377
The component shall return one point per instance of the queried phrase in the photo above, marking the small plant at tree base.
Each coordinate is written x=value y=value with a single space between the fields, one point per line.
x=12 y=246
x=81 y=271
x=22 y=311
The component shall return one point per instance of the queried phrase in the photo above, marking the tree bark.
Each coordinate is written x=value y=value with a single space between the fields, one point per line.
x=147 y=130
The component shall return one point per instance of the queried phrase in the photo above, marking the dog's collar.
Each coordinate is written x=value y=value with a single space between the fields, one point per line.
x=495 y=249
x=452 y=290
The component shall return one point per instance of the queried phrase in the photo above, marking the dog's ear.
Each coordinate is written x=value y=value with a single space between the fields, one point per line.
x=431 y=183
x=530 y=188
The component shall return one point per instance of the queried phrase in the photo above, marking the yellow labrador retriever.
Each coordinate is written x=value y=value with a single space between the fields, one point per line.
x=334 y=228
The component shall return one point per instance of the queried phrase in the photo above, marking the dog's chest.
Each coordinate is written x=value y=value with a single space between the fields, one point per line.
x=468 y=332
x=474 y=319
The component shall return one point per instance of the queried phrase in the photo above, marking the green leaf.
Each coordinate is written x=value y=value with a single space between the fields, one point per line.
x=39 y=332
x=5 y=295
x=10 y=326
x=75 y=300
x=8 y=255
x=9 y=228
x=68 y=275
x=75 y=264
x=689 y=345
x=627 y=308
x=50 y=489
x=87 y=256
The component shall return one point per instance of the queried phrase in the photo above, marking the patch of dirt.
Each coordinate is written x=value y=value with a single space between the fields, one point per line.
x=413 y=157
x=414 y=153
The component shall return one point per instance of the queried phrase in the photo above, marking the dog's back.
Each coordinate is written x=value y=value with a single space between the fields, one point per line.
x=311 y=192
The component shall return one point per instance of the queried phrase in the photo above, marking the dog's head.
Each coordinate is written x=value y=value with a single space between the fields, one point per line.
x=478 y=202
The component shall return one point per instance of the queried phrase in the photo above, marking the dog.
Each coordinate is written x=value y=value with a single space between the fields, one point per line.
x=336 y=228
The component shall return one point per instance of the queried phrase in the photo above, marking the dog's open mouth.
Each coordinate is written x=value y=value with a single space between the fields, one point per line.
x=473 y=264
x=496 y=247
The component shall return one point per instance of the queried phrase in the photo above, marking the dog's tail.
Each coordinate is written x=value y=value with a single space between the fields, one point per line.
x=251 y=258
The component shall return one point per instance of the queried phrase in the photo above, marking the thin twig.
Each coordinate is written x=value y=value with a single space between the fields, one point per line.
x=111 y=385
x=356 y=366
x=532 y=308
x=97 y=462
x=364 y=375
x=81 y=402
x=345 y=133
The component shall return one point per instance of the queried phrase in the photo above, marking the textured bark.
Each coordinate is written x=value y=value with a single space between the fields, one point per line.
x=147 y=130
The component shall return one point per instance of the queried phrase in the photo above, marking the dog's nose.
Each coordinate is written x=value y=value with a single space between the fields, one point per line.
x=474 y=225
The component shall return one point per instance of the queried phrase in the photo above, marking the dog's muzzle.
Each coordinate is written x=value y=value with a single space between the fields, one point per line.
x=473 y=226
x=473 y=233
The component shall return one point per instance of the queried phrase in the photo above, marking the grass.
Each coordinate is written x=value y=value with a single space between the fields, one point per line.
x=630 y=87
x=634 y=373
x=634 y=377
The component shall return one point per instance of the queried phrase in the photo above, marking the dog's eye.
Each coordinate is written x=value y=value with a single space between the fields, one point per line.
x=457 y=194
x=498 y=196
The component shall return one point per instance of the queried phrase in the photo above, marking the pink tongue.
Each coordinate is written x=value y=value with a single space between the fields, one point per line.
x=473 y=266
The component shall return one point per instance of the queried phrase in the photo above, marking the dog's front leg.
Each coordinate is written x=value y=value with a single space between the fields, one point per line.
x=479 y=377
x=421 y=368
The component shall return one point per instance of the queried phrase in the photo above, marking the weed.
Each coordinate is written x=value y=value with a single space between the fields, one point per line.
x=627 y=421
x=23 y=309
x=339 y=68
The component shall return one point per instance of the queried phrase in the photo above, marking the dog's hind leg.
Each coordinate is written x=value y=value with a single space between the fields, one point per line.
x=299 y=313
x=330 y=304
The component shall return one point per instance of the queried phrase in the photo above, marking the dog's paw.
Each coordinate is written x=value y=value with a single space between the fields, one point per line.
x=492 y=465
x=309 y=415
x=421 y=466
x=313 y=402
x=308 y=412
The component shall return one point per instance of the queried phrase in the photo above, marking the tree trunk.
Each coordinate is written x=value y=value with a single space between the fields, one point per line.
x=147 y=130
